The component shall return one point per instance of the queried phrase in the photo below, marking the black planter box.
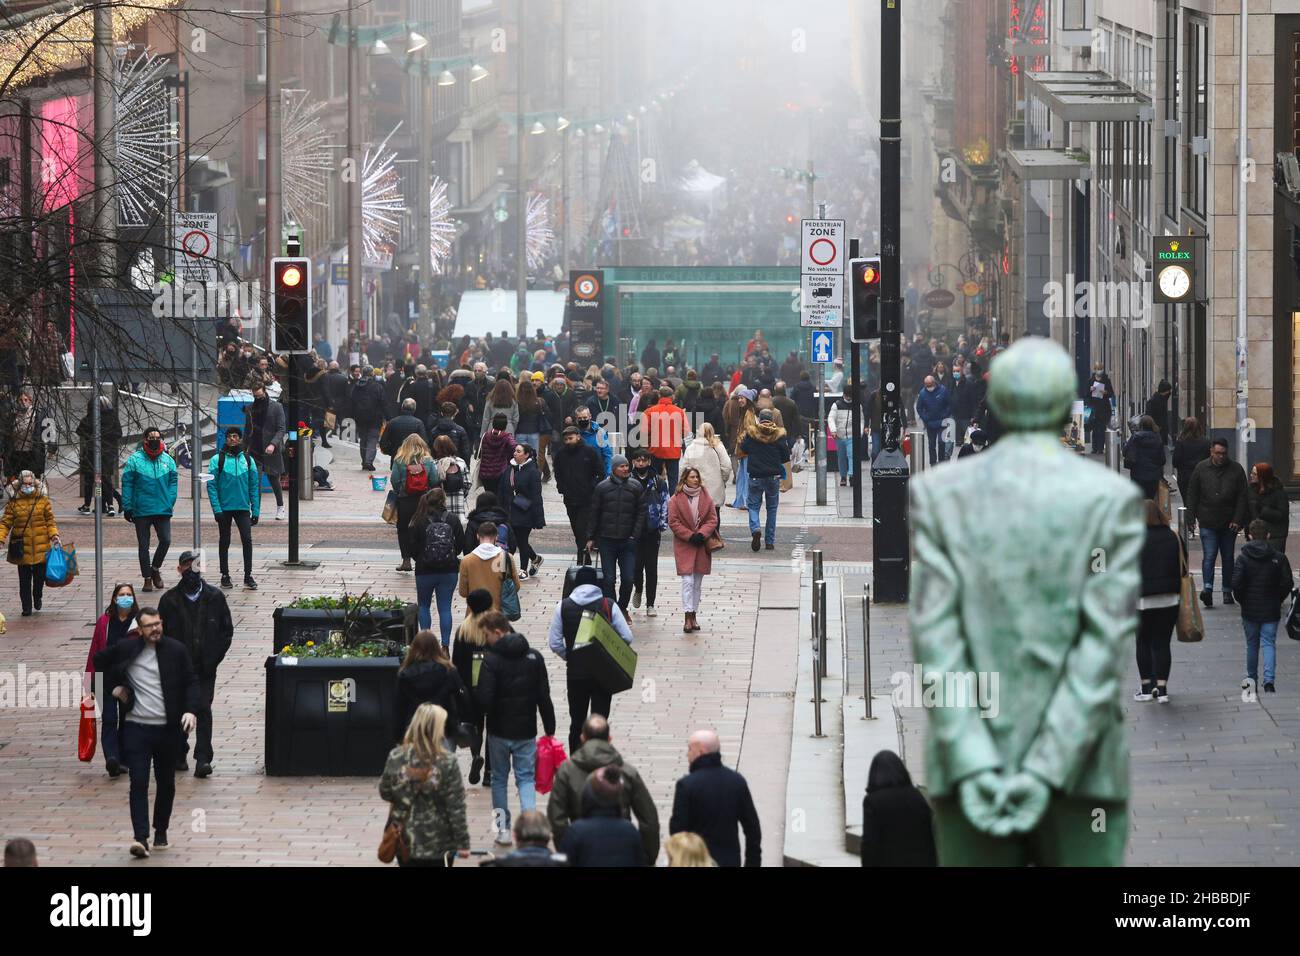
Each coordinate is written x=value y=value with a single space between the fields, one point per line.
x=330 y=717
x=300 y=625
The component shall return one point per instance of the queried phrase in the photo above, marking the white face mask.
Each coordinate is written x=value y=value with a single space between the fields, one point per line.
x=28 y=489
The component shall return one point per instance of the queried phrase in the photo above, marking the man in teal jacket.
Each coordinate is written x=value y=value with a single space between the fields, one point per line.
x=149 y=483
x=236 y=499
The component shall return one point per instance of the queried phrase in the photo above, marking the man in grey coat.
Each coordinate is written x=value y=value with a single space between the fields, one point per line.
x=264 y=433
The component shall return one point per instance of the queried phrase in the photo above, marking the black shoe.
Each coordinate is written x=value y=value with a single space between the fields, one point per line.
x=756 y=542
x=160 y=840
x=226 y=582
x=27 y=612
x=86 y=510
x=487 y=778
x=1269 y=688
x=140 y=849
x=36 y=604
x=203 y=770
x=114 y=767
x=182 y=765
x=367 y=467
x=475 y=770
x=1207 y=598
x=250 y=584
x=1227 y=598
x=770 y=546
x=325 y=444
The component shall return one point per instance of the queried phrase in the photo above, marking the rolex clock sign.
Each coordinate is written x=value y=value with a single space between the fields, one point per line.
x=1174 y=269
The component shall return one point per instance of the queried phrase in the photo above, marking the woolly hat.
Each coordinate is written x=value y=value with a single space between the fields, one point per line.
x=606 y=786
x=618 y=460
x=766 y=415
x=479 y=601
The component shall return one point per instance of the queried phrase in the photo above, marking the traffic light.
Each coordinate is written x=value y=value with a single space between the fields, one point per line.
x=864 y=298
x=291 y=305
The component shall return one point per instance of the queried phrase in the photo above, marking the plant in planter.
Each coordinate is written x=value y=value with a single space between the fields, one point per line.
x=350 y=620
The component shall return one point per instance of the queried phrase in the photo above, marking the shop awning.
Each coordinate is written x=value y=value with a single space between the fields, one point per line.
x=1054 y=164
x=1086 y=96
x=493 y=310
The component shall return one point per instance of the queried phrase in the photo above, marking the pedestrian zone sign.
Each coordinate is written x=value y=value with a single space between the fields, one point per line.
x=823 y=346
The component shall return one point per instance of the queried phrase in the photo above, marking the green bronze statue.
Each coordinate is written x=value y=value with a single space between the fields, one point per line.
x=1025 y=566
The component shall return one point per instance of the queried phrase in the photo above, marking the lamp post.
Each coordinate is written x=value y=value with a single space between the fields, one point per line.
x=355 y=267
x=521 y=183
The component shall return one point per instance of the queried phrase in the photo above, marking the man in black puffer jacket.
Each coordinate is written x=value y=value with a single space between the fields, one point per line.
x=512 y=690
x=1144 y=457
x=712 y=800
x=618 y=512
x=1261 y=581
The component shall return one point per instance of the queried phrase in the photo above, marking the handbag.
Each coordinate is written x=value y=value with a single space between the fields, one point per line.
x=473 y=469
x=1162 y=498
x=1191 y=628
x=389 y=514
x=714 y=542
x=510 y=593
x=393 y=844
x=15 y=552
x=1293 y=617
x=331 y=419
x=86 y=734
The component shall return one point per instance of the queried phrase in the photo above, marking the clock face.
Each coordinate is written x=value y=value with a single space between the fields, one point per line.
x=1174 y=281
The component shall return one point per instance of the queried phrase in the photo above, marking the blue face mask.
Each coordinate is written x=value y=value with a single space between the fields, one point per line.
x=956 y=375
x=124 y=601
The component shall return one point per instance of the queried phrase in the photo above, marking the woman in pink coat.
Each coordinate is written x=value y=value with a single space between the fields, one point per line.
x=692 y=519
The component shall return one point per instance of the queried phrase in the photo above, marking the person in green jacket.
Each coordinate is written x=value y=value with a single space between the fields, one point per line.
x=1267 y=501
x=149 y=483
x=236 y=499
x=422 y=783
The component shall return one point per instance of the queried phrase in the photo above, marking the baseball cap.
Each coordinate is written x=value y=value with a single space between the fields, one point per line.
x=766 y=415
x=187 y=557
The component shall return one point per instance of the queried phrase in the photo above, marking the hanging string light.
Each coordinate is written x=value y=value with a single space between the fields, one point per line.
x=539 y=235
x=144 y=138
x=382 y=204
x=306 y=160
x=442 y=228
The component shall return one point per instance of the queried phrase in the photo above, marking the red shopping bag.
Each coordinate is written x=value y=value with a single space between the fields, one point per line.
x=86 y=735
x=550 y=754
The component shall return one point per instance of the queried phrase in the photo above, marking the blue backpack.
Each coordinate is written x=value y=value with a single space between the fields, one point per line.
x=657 y=511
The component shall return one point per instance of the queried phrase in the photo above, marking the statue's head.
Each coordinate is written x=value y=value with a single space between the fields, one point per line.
x=1032 y=386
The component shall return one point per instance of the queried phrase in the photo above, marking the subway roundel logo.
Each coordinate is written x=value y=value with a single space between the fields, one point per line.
x=586 y=287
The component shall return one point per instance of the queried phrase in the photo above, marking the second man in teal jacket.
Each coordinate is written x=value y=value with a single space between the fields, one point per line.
x=236 y=499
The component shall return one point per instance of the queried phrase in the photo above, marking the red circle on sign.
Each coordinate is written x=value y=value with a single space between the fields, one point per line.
x=812 y=252
x=194 y=252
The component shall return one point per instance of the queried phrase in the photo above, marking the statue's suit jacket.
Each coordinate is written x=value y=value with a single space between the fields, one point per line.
x=1026 y=563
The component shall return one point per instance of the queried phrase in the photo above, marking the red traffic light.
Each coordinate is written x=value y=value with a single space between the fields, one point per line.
x=291 y=276
x=871 y=276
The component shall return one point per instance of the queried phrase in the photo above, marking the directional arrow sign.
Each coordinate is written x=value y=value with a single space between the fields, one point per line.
x=823 y=346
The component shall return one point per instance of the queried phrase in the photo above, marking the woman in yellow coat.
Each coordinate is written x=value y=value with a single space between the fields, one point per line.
x=29 y=516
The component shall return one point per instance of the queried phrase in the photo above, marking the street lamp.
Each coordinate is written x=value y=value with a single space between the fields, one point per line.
x=538 y=129
x=380 y=48
x=477 y=73
x=417 y=42
x=446 y=78
x=562 y=124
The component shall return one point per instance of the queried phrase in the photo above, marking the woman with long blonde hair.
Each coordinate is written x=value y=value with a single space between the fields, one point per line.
x=708 y=453
x=467 y=654
x=414 y=473
x=687 y=849
x=422 y=783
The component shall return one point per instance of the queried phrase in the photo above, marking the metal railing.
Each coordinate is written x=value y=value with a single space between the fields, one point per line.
x=819 y=652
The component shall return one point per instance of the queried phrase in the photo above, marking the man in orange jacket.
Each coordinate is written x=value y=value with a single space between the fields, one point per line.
x=664 y=429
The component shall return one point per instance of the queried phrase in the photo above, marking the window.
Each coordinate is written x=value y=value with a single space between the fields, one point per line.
x=1074 y=14
x=1197 y=159
x=1123 y=62
x=261 y=56
x=1124 y=164
x=1295 y=91
x=1171 y=105
x=1101 y=46
x=1142 y=59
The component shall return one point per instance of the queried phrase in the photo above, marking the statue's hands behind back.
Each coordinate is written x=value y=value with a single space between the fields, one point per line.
x=1004 y=805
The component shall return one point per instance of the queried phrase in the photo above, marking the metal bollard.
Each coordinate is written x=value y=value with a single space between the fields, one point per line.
x=1114 y=454
x=866 y=647
x=817 y=675
x=916 y=459
x=817 y=566
x=820 y=597
x=1182 y=525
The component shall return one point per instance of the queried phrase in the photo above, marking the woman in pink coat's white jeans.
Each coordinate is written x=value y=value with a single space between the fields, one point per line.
x=692 y=519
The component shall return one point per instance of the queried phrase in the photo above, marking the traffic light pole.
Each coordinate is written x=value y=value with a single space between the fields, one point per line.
x=891 y=550
x=855 y=373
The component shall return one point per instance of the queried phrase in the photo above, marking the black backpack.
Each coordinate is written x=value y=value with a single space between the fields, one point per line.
x=453 y=482
x=439 y=544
